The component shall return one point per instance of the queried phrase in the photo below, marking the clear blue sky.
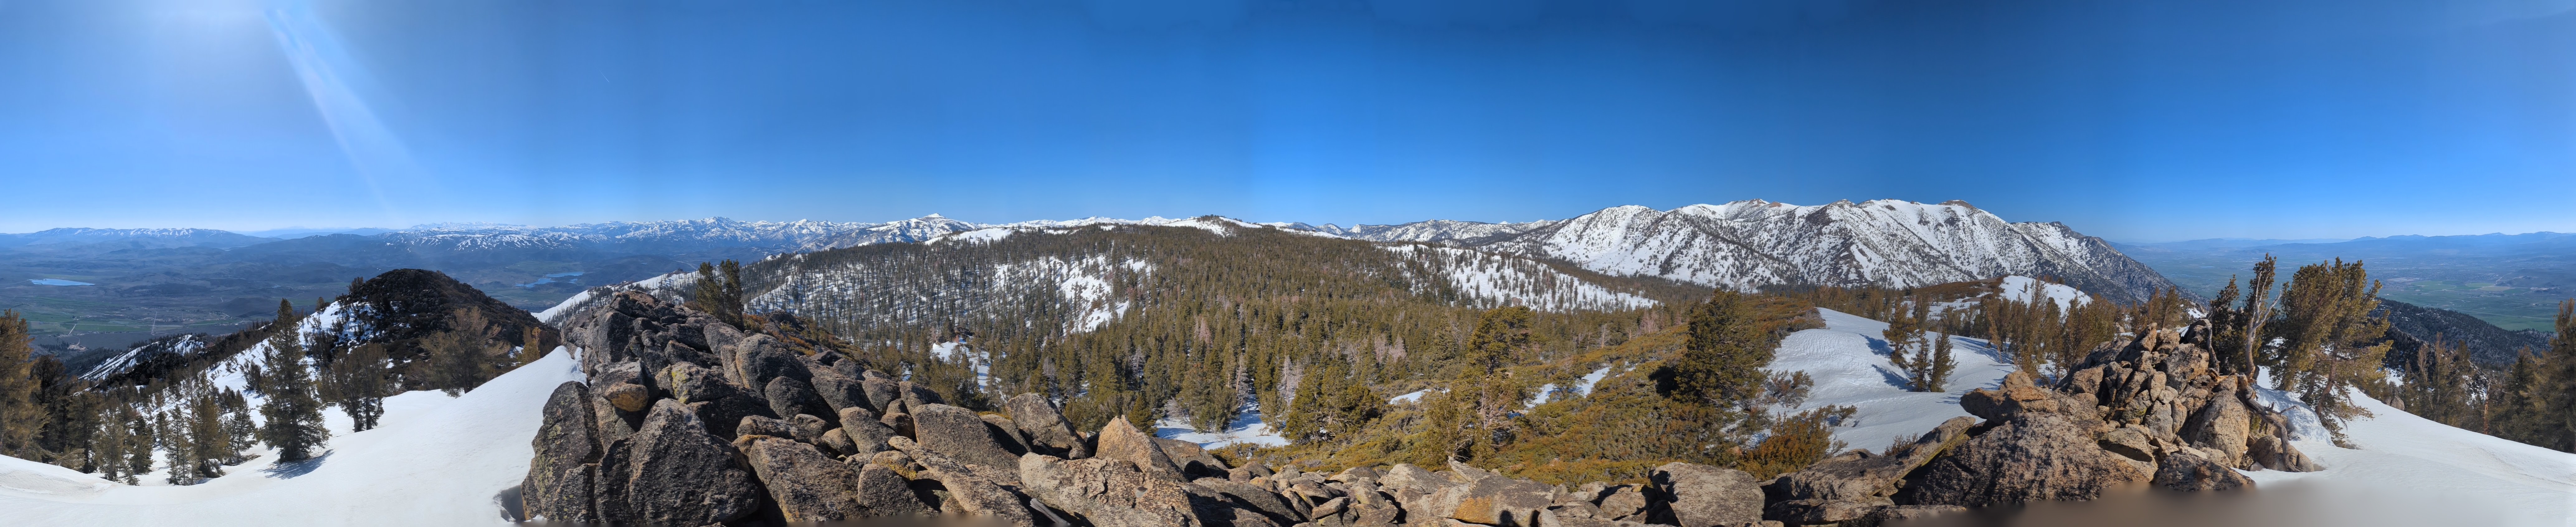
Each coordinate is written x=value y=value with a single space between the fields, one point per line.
x=2137 y=120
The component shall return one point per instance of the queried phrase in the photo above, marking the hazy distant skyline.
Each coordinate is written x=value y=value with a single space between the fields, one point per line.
x=2142 y=121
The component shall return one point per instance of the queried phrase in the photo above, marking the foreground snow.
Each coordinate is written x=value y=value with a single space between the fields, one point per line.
x=2402 y=456
x=435 y=461
x=1849 y=362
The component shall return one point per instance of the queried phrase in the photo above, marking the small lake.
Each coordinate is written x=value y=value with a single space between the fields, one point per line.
x=57 y=281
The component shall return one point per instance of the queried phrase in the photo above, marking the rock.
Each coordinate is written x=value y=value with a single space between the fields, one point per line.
x=1193 y=461
x=725 y=404
x=610 y=424
x=678 y=474
x=628 y=397
x=2224 y=426
x=559 y=479
x=983 y=497
x=1045 y=427
x=1249 y=496
x=960 y=434
x=1851 y=486
x=1706 y=496
x=611 y=374
x=764 y=426
x=2275 y=454
x=761 y=359
x=885 y=493
x=806 y=485
x=788 y=397
x=838 y=443
x=2031 y=457
x=1907 y=512
x=1506 y=502
x=1006 y=433
x=2185 y=471
x=1106 y=492
x=1119 y=440
x=809 y=429
x=1624 y=503
x=842 y=392
x=882 y=393
x=867 y=436
x=917 y=395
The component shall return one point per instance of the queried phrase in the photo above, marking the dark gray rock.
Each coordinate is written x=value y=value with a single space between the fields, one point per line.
x=2185 y=471
x=886 y=493
x=724 y=404
x=1007 y=433
x=2030 y=457
x=787 y=397
x=1193 y=461
x=764 y=426
x=917 y=395
x=882 y=393
x=1122 y=441
x=867 y=436
x=678 y=474
x=567 y=448
x=842 y=392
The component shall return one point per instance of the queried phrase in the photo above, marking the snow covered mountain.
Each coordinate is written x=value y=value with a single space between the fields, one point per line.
x=132 y=238
x=678 y=236
x=1754 y=243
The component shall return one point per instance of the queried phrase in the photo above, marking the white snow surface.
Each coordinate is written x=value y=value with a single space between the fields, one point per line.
x=2020 y=288
x=1849 y=362
x=434 y=461
x=2400 y=454
x=1247 y=427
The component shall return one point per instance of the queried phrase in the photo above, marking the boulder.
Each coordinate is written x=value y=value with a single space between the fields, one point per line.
x=1193 y=461
x=808 y=429
x=724 y=404
x=842 y=392
x=2223 y=426
x=1122 y=441
x=760 y=358
x=2186 y=471
x=2031 y=457
x=1045 y=427
x=885 y=493
x=1853 y=485
x=960 y=434
x=1506 y=502
x=1706 y=496
x=1626 y=502
x=882 y=392
x=788 y=397
x=610 y=424
x=558 y=485
x=917 y=395
x=806 y=485
x=676 y=473
x=1107 y=492
x=628 y=397
x=764 y=426
x=867 y=436
x=983 y=497
x=1006 y=433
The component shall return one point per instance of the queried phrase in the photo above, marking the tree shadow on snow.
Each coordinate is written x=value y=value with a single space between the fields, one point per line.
x=297 y=468
x=1880 y=347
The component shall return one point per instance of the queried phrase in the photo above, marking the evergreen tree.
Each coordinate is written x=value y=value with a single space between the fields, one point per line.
x=1491 y=392
x=2328 y=334
x=2437 y=385
x=358 y=382
x=140 y=441
x=461 y=357
x=1904 y=336
x=239 y=429
x=114 y=444
x=1721 y=363
x=2558 y=384
x=719 y=291
x=535 y=347
x=1935 y=366
x=293 y=412
x=21 y=415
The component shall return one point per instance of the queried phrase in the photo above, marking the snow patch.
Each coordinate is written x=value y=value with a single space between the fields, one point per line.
x=1247 y=428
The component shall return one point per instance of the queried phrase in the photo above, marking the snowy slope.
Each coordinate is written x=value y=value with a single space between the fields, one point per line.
x=1849 y=362
x=435 y=461
x=2400 y=454
x=2525 y=484
x=1248 y=427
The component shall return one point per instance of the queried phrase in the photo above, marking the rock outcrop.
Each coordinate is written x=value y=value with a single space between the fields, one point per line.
x=687 y=421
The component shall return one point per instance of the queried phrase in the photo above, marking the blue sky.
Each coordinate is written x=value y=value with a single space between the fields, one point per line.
x=2144 y=120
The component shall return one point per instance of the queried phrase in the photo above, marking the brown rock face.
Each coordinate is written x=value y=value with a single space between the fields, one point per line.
x=1121 y=441
x=1047 y=430
x=1706 y=496
x=2031 y=457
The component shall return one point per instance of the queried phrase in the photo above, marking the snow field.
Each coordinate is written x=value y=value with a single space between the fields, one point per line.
x=1849 y=363
x=1247 y=428
x=435 y=461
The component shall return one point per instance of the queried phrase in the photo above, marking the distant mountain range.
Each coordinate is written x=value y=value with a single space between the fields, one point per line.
x=2511 y=280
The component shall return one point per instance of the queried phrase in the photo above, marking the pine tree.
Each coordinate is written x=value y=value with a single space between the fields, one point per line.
x=139 y=443
x=239 y=429
x=460 y=358
x=114 y=437
x=1721 y=363
x=1490 y=391
x=2328 y=334
x=293 y=411
x=2558 y=383
x=534 y=349
x=21 y=416
x=1936 y=367
x=2437 y=385
x=719 y=291
x=357 y=382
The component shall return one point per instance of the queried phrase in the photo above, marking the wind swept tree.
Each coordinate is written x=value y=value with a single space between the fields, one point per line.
x=2438 y=385
x=2327 y=334
x=2535 y=402
x=461 y=357
x=719 y=291
x=293 y=411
